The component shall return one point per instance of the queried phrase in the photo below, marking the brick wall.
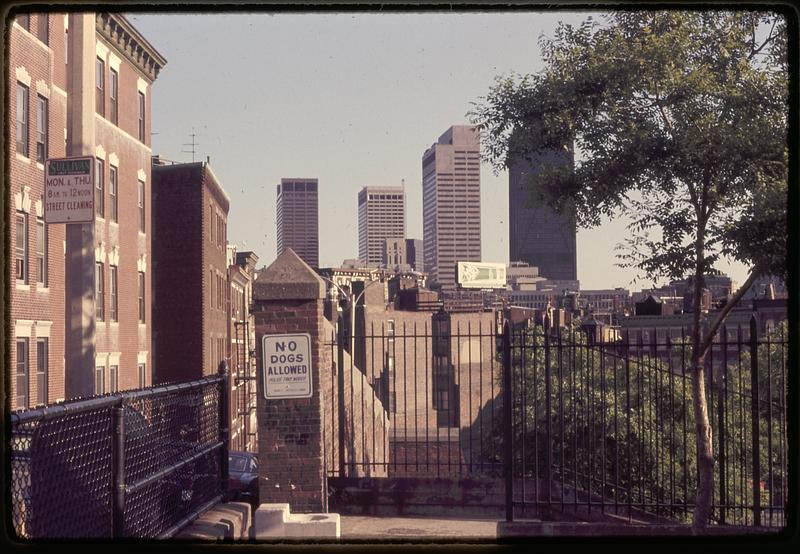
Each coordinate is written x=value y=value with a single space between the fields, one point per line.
x=367 y=427
x=36 y=311
x=291 y=454
x=118 y=146
x=178 y=274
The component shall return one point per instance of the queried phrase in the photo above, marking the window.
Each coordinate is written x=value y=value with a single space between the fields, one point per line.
x=113 y=88
x=141 y=297
x=141 y=116
x=112 y=193
x=24 y=20
x=41 y=129
x=99 y=86
x=22 y=119
x=41 y=252
x=99 y=189
x=100 y=380
x=43 y=28
x=42 y=365
x=114 y=378
x=66 y=45
x=211 y=286
x=112 y=287
x=211 y=223
x=142 y=376
x=99 y=291
x=23 y=384
x=21 y=247
x=141 y=206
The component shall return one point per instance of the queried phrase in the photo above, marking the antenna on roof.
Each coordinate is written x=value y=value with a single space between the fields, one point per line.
x=192 y=144
x=403 y=183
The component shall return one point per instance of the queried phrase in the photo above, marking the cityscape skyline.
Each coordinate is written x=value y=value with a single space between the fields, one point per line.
x=418 y=77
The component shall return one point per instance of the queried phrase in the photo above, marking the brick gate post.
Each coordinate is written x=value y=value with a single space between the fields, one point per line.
x=289 y=297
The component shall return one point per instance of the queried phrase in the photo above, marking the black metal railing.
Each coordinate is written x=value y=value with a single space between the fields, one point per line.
x=141 y=463
x=609 y=426
x=575 y=425
x=417 y=400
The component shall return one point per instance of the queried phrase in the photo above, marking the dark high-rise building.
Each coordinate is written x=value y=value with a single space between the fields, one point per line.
x=537 y=234
x=298 y=219
x=451 y=203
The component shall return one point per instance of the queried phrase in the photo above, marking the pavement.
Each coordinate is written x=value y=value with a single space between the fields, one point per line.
x=421 y=528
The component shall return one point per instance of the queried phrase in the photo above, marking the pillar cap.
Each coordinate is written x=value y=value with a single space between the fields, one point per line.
x=288 y=278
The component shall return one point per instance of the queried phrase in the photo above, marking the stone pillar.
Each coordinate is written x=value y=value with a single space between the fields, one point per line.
x=289 y=298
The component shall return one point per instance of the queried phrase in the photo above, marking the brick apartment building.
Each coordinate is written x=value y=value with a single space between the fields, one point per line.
x=79 y=85
x=242 y=345
x=190 y=281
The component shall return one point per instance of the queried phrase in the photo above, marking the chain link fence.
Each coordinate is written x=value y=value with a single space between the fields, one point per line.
x=138 y=464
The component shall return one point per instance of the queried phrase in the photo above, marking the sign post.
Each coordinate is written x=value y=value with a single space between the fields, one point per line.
x=69 y=190
x=286 y=367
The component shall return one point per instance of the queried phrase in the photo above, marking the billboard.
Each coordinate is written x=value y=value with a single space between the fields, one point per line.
x=481 y=275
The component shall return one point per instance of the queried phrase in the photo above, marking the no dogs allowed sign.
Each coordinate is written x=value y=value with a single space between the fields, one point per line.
x=286 y=368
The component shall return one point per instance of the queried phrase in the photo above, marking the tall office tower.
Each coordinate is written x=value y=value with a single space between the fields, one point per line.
x=537 y=234
x=298 y=219
x=451 y=203
x=381 y=216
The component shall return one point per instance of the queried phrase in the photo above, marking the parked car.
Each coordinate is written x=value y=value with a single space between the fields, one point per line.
x=243 y=476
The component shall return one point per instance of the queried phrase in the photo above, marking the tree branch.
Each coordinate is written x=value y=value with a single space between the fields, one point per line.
x=667 y=122
x=712 y=330
x=767 y=40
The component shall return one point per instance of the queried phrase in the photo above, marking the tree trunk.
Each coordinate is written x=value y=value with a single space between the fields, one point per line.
x=705 y=453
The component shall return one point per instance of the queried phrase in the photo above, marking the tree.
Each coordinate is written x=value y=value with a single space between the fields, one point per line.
x=679 y=121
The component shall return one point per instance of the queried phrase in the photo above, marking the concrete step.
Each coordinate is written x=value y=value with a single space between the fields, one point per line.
x=274 y=521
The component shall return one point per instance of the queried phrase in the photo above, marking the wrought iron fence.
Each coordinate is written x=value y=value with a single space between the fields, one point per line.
x=418 y=398
x=586 y=426
x=140 y=463
x=609 y=427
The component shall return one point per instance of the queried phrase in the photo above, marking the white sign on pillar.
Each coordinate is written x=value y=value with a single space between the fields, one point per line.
x=69 y=190
x=286 y=366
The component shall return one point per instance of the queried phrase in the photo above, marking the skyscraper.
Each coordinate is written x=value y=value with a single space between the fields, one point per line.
x=537 y=234
x=298 y=219
x=381 y=216
x=451 y=203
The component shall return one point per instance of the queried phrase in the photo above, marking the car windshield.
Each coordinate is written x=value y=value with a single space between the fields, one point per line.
x=236 y=463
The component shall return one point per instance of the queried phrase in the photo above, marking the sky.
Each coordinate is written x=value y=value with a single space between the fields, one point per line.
x=353 y=99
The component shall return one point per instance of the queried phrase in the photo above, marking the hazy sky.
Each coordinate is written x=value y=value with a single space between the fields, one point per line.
x=352 y=99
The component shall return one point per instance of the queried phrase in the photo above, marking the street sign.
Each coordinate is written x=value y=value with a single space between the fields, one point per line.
x=286 y=366
x=481 y=275
x=69 y=190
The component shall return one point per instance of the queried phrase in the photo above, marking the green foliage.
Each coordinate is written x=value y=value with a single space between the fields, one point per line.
x=622 y=424
x=680 y=122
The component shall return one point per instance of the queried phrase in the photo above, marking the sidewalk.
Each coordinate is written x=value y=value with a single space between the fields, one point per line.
x=425 y=528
